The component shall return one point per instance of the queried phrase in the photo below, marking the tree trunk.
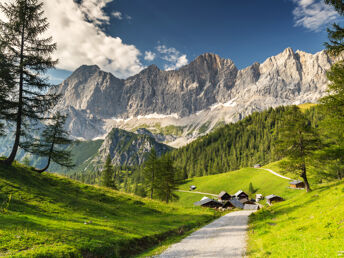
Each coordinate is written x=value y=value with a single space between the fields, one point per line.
x=49 y=159
x=13 y=154
x=304 y=177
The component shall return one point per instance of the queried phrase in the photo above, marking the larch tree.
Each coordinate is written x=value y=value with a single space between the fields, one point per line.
x=52 y=144
x=297 y=142
x=28 y=51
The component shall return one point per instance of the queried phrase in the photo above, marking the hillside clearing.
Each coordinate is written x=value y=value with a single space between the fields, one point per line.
x=48 y=215
x=263 y=182
x=309 y=225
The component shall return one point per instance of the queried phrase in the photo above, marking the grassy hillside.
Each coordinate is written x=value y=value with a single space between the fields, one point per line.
x=48 y=215
x=262 y=181
x=310 y=225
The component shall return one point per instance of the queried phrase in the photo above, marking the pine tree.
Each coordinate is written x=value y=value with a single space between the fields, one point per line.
x=167 y=180
x=150 y=172
x=296 y=142
x=251 y=190
x=53 y=137
x=28 y=53
x=107 y=173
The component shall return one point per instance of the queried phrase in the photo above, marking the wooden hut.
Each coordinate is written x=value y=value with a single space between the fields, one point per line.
x=257 y=166
x=233 y=203
x=246 y=201
x=207 y=202
x=297 y=184
x=259 y=197
x=192 y=187
x=273 y=198
x=224 y=196
x=241 y=195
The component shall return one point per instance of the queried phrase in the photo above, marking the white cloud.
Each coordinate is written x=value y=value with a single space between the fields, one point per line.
x=117 y=15
x=149 y=56
x=174 y=58
x=76 y=28
x=313 y=14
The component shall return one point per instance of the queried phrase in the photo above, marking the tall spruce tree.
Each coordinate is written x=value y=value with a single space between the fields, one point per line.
x=29 y=54
x=167 y=180
x=150 y=172
x=52 y=144
x=107 y=174
x=296 y=142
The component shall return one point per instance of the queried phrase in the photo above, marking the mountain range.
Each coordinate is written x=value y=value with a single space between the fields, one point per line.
x=178 y=106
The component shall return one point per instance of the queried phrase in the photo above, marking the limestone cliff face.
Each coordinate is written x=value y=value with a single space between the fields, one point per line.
x=126 y=148
x=210 y=88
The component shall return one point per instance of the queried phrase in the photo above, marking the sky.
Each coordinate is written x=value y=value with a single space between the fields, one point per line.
x=125 y=36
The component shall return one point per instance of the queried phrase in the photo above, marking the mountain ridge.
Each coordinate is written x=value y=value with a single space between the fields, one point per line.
x=210 y=89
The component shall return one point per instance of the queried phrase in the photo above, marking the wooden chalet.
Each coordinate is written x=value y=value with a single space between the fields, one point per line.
x=207 y=202
x=192 y=187
x=246 y=201
x=224 y=196
x=257 y=166
x=297 y=184
x=233 y=203
x=241 y=195
x=273 y=198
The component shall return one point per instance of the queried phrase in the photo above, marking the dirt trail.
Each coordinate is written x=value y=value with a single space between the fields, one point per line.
x=195 y=192
x=225 y=237
x=276 y=174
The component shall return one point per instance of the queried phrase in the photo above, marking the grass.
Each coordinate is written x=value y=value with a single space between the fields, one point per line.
x=52 y=216
x=311 y=225
x=263 y=182
x=306 y=106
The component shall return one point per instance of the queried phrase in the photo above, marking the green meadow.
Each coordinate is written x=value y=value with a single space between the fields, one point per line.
x=52 y=216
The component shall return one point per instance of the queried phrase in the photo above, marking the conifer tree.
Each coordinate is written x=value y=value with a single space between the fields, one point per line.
x=29 y=54
x=296 y=142
x=150 y=172
x=53 y=137
x=167 y=180
x=107 y=173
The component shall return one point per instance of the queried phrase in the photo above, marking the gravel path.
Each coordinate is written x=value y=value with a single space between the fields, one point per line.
x=225 y=237
x=195 y=192
x=276 y=174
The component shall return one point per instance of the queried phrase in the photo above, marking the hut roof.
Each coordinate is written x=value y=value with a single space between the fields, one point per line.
x=222 y=194
x=295 y=182
x=204 y=201
x=271 y=196
x=236 y=203
x=240 y=192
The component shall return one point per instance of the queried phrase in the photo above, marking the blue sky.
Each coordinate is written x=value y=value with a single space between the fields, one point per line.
x=125 y=36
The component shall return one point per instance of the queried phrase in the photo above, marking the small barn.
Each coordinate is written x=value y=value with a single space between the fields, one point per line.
x=259 y=197
x=273 y=198
x=246 y=201
x=224 y=196
x=257 y=166
x=297 y=184
x=251 y=207
x=192 y=187
x=207 y=202
x=241 y=194
x=233 y=203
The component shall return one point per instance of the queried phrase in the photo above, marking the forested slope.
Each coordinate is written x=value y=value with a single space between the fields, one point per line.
x=234 y=146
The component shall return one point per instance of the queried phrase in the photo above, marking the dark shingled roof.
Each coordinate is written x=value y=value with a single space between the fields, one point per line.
x=295 y=182
x=222 y=194
x=204 y=201
x=272 y=196
x=236 y=203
